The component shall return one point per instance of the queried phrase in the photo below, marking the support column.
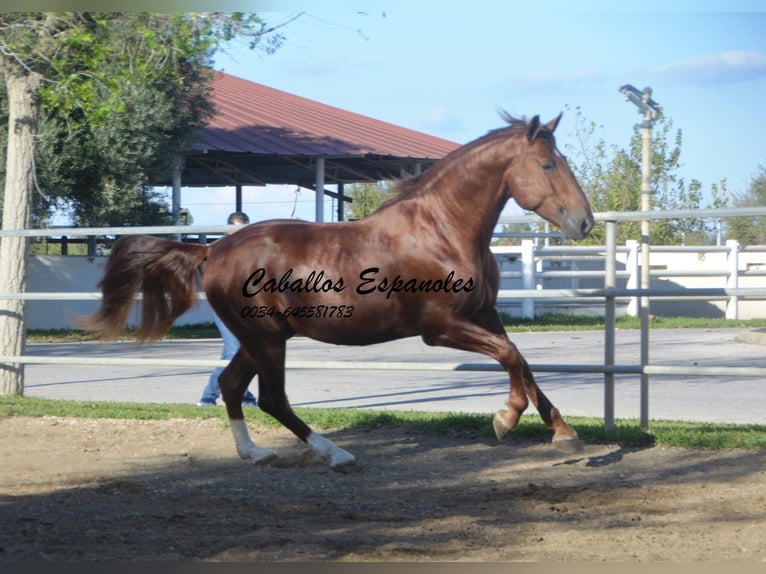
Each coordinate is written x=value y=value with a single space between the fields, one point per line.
x=646 y=226
x=176 y=201
x=732 y=281
x=238 y=198
x=528 y=277
x=319 y=206
x=610 y=316
x=634 y=271
x=341 y=201
x=650 y=110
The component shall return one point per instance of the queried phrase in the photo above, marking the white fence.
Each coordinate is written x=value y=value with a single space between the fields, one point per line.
x=608 y=292
x=542 y=269
x=548 y=268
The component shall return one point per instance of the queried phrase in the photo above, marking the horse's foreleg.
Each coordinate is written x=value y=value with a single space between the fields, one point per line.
x=233 y=382
x=488 y=336
x=564 y=436
x=273 y=400
x=469 y=336
x=326 y=449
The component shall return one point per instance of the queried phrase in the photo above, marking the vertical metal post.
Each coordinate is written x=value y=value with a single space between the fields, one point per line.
x=176 y=200
x=646 y=206
x=319 y=205
x=527 y=277
x=732 y=280
x=341 y=201
x=633 y=269
x=610 y=282
x=650 y=110
x=238 y=198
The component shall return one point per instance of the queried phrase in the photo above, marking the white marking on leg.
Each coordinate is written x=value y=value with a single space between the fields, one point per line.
x=327 y=449
x=502 y=430
x=246 y=448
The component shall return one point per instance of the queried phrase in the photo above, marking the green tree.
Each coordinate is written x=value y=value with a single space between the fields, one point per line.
x=534 y=229
x=513 y=228
x=125 y=99
x=368 y=197
x=81 y=69
x=750 y=230
x=611 y=178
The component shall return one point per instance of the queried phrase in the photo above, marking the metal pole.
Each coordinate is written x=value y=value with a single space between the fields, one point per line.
x=732 y=281
x=176 y=199
x=646 y=206
x=528 y=277
x=319 y=206
x=610 y=282
x=341 y=201
x=650 y=110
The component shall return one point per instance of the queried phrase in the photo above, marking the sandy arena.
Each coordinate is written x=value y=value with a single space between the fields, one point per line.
x=94 y=489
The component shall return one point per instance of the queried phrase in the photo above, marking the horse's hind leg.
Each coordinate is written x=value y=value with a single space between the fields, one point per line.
x=467 y=335
x=488 y=336
x=273 y=400
x=233 y=382
x=564 y=436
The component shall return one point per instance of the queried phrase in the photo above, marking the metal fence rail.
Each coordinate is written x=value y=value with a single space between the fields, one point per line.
x=609 y=294
x=704 y=292
x=396 y=366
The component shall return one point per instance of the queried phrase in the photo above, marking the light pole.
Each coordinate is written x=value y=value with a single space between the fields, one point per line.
x=650 y=110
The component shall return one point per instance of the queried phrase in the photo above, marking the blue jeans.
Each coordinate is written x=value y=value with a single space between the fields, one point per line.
x=230 y=347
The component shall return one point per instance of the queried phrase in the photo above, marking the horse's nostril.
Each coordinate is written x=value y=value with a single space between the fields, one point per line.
x=586 y=226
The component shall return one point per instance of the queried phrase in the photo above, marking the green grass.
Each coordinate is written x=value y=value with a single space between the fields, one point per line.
x=591 y=430
x=628 y=432
x=556 y=322
x=198 y=331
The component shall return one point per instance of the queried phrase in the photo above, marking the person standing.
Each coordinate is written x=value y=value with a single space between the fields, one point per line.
x=212 y=391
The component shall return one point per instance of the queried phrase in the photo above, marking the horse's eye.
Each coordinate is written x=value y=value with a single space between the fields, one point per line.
x=547 y=166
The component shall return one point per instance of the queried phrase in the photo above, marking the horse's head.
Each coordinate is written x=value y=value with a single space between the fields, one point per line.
x=540 y=180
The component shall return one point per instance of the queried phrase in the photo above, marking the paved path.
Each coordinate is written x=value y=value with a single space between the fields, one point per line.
x=699 y=398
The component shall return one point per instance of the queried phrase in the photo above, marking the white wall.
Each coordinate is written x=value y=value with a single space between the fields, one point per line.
x=710 y=262
x=79 y=274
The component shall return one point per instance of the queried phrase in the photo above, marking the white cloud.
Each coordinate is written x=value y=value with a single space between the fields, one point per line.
x=728 y=67
x=331 y=64
x=568 y=80
x=313 y=66
x=440 y=119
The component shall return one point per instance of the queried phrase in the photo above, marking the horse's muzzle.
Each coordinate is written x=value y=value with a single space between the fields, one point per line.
x=578 y=227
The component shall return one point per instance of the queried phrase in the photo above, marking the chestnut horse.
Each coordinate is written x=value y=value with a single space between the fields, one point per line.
x=420 y=265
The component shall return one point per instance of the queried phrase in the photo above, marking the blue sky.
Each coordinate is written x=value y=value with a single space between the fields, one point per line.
x=446 y=71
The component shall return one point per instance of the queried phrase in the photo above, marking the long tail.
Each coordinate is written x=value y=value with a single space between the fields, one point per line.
x=164 y=270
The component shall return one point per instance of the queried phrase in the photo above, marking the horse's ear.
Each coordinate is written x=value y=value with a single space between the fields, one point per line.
x=551 y=125
x=534 y=127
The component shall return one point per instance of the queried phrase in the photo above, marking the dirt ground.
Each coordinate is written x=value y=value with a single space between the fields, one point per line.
x=80 y=489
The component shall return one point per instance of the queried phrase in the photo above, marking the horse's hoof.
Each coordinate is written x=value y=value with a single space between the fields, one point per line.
x=258 y=455
x=265 y=459
x=342 y=460
x=569 y=444
x=502 y=430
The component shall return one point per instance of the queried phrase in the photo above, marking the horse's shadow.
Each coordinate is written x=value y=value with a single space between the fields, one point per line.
x=596 y=461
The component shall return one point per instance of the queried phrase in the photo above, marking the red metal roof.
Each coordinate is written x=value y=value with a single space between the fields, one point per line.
x=256 y=119
x=260 y=135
